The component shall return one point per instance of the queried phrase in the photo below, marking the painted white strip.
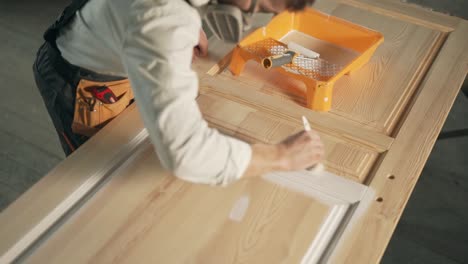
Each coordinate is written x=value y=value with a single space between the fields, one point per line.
x=61 y=209
x=325 y=186
x=240 y=209
x=349 y=201
x=325 y=235
x=311 y=192
x=366 y=201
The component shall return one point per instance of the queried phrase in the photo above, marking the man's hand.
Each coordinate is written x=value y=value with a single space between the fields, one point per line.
x=302 y=150
x=201 y=50
x=297 y=152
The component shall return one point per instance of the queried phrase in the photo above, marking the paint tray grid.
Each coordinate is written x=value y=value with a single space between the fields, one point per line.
x=317 y=69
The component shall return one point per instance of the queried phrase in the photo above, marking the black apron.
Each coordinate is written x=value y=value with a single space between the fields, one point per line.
x=57 y=80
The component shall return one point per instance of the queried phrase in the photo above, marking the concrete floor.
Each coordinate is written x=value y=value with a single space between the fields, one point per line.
x=433 y=228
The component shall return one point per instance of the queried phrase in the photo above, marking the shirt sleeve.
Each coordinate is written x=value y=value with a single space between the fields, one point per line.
x=157 y=55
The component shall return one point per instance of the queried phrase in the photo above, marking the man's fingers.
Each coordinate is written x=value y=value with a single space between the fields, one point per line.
x=201 y=50
x=312 y=134
x=303 y=149
x=196 y=52
x=202 y=44
x=308 y=136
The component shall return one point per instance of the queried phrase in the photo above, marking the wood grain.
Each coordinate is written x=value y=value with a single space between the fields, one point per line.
x=343 y=157
x=143 y=213
x=21 y=217
x=331 y=124
x=413 y=144
x=375 y=96
x=135 y=215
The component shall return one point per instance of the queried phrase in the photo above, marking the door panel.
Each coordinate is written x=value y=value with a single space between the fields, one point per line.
x=146 y=214
x=377 y=95
x=119 y=205
x=343 y=157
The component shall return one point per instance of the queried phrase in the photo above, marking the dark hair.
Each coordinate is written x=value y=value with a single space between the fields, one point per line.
x=297 y=5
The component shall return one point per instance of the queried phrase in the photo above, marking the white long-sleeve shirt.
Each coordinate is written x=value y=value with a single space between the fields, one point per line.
x=151 y=42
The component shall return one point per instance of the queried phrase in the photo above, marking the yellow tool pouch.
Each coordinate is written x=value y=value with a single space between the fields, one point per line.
x=92 y=114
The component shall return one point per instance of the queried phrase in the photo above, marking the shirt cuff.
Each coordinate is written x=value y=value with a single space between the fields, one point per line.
x=241 y=155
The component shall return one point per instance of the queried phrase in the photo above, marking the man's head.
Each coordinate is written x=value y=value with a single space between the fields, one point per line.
x=228 y=19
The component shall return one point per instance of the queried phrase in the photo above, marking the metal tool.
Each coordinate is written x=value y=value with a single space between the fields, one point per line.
x=103 y=94
x=87 y=101
x=278 y=60
x=290 y=56
x=277 y=54
x=90 y=102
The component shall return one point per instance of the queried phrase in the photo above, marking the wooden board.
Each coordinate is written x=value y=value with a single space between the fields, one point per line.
x=251 y=221
x=343 y=157
x=376 y=96
x=384 y=122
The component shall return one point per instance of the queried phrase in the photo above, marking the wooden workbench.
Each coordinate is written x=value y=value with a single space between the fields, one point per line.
x=112 y=202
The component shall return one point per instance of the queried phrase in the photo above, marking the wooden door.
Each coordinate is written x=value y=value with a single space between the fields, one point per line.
x=384 y=118
x=146 y=215
x=119 y=205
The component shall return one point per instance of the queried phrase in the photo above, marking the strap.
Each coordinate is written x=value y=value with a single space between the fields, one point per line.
x=68 y=13
x=253 y=4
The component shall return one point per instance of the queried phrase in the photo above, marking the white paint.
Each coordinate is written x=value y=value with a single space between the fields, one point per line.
x=365 y=202
x=325 y=186
x=328 y=51
x=302 y=50
x=348 y=201
x=240 y=209
x=122 y=159
x=306 y=124
x=325 y=235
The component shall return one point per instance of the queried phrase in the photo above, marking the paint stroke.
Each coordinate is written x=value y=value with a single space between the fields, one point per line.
x=239 y=209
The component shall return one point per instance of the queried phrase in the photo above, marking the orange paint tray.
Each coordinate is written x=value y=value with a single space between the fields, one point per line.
x=344 y=47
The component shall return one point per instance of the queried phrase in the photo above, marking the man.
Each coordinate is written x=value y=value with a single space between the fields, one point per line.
x=151 y=43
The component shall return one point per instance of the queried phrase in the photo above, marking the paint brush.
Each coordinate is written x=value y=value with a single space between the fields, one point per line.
x=289 y=55
x=306 y=124
x=319 y=166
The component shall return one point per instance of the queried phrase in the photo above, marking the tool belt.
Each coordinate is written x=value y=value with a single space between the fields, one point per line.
x=91 y=114
x=91 y=110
